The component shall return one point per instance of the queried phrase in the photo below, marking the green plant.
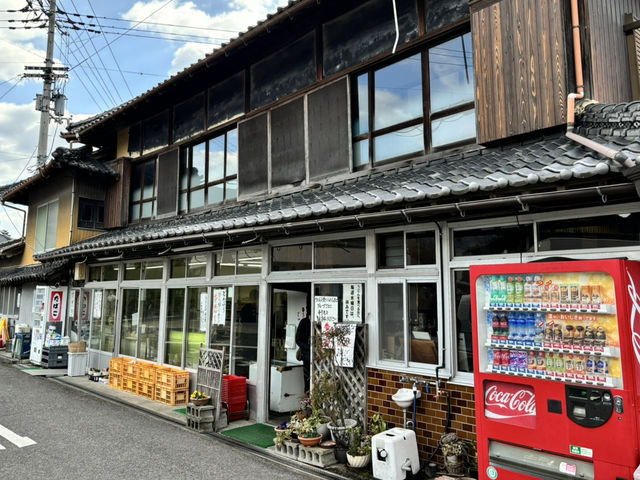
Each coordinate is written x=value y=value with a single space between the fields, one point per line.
x=360 y=446
x=452 y=445
x=196 y=395
x=377 y=424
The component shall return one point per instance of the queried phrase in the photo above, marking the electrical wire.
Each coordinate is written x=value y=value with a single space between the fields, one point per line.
x=12 y=87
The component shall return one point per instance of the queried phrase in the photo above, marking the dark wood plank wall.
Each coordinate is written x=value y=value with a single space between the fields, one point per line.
x=609 y=67
x=520 y=66
x=116 y=209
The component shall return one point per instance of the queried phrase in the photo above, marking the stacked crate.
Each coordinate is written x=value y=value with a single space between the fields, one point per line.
x=116 y=366
x=147 y=380
x=234 y=395
x=172 y=386
x=130 y=377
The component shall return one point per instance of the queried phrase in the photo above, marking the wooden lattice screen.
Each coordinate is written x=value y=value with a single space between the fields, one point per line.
x=209 y=376
x=354 y=379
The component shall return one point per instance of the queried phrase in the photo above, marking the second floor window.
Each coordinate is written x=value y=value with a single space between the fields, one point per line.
x=90 y=213
x=209 y=172
x=46 y=226
x=400 y=111
x=143 y=190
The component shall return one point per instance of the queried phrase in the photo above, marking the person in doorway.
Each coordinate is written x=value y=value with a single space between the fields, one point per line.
x=303 y=340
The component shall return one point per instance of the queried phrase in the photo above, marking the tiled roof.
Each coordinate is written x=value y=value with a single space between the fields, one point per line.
x=239 y=40
x=499 y=171
x=33 y=273
x=79 y=159
x=13 y=247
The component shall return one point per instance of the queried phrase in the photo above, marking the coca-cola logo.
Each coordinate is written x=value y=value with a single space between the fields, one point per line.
x=510 y=403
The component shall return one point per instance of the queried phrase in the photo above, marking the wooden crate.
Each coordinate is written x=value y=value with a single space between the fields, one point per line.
x=146 y=389
x=171 y=378
x=115 y=380
x=172 y=396
x=130 y=385
x=147 y=372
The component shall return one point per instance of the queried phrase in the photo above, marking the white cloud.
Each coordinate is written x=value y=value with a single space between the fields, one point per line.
x=236 y=18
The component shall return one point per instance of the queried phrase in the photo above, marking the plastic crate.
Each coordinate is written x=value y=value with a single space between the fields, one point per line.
x=146 y=389
x=130 y=385
x=234 y=389
x=116 y=365
x=170 y=378
x=171 y=396
x=130 y=369
x=147 y=372
x=115 y=381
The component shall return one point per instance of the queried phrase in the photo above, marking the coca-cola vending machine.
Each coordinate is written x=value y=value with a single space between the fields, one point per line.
x=557 y=358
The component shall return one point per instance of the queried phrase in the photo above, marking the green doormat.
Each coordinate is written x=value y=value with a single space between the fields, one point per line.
x=260 y=435
x=183 y=411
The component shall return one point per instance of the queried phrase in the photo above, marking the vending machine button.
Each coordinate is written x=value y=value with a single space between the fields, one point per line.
x=618 y=405
x=554 y=406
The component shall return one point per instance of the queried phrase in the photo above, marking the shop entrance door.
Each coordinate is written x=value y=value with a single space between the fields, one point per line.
x=289 y=305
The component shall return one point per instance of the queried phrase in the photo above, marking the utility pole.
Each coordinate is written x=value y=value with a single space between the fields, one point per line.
x=43 y=102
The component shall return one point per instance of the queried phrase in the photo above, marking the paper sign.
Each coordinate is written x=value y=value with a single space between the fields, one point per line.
x=352 y=302
x=97 y=304
x=204 y=311
x=326 y=309
x=219 y=306
x=343 y=353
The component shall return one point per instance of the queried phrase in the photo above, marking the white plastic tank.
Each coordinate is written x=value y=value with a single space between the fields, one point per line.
x=394 y=453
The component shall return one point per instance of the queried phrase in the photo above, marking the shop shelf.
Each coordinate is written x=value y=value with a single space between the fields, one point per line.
x=146 y=389
x=171 y=396
x=171 y=378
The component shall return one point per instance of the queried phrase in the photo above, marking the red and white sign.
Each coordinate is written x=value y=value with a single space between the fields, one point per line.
x=55 y=306
x=510 y=403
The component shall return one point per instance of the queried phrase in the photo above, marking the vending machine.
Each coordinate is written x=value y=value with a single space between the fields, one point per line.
x=557 y=359
x=48 y=317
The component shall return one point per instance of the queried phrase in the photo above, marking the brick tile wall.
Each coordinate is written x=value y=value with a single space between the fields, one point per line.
x=431 y=413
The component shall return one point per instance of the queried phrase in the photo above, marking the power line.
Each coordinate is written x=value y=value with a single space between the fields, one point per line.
x=12 y=87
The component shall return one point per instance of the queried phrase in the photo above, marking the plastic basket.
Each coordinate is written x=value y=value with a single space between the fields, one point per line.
x=146 y=389
x=147 y=372
x=172 y=397
x=172 y=379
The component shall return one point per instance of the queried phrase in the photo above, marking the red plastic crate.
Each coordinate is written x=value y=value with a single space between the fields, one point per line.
x=234 y=390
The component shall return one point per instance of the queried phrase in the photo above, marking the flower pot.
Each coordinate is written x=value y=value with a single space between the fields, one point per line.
x=199 y=402
x=358 y=461
x=310 y=442
x=323 y=429
x=341 y=454
x=454 y=464
x=339 y=434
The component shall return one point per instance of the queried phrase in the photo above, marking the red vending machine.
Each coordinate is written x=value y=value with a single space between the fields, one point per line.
x=557 y=359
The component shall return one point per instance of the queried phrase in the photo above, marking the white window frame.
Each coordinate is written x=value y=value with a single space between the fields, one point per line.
x=36 y=245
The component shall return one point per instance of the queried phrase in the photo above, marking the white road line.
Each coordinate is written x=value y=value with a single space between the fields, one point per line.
x=1 y=447
x=14 y=438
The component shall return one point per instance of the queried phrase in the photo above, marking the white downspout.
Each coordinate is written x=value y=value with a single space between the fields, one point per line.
x=395 y=19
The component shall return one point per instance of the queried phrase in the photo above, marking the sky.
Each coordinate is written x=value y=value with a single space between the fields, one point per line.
x=114 y=49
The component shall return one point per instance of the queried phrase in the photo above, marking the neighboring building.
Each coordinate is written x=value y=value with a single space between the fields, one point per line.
x=65 y=201
x=307 y=159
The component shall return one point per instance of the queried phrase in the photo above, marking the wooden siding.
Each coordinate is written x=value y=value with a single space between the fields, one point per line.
x=116 y=200
x=288 y=144
x=85 y=188
x=607 y=62
x=520 y=67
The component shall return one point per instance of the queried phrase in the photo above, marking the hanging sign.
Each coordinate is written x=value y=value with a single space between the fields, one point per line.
x=219 y=306
x=352 y=302
x=97 y=304
x=326 y=309
x=55 y=305
x=204 y=313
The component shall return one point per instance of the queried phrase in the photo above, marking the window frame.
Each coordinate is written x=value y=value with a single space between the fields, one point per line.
x=426 y=120
x=142 y=200
x=95 y=205
x=186 y=161
x=46 y=232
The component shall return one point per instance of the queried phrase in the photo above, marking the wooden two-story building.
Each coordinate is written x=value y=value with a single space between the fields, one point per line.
x=360 y=155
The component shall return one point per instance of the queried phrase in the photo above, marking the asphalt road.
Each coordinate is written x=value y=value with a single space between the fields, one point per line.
x=76 y=435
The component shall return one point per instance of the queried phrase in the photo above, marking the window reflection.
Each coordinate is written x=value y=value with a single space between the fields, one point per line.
x=391 y=322
x=453 y=128
x=398 y=92
x=401 y=142
x=464 y=328
x=451 y=73
x=423 y=322
x=175 y=326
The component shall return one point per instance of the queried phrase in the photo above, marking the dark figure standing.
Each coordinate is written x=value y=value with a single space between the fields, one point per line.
x=303 y=336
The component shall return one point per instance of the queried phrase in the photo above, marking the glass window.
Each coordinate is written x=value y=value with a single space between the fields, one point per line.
x=391 y=318
x=46 y=226
x=347 y=253
x=197 y=266
x=110 y=273
x=208 y=172
x=421 y=248
x=178 y=268
x=350 y=299
x=96 y=320
x=175 y=327
x=423 y=322
x=90 y=213
x=188 y=117
x=149 y=327
x=389 y=104
x=607 y=231
x=225 y=263
x=493 y=240
x=226 y=99
x=94 y=274
x=245 y=338
x=197 y=318
x=391 y=250
x=249 y=261
x=153 y=270
x=464 y=328
x=142 y=196
x=155 y=131
x=222 y=310
x=132 y=271
x=103 y=320
x=291 y=257
x=130 y=320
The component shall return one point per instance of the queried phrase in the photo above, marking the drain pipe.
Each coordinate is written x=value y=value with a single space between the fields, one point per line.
x=395 y=19
x=617 y=156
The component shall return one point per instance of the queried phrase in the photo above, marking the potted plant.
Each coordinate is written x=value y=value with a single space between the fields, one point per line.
x=377 y=424
x=199 y=399
x=308 y=434
x=328 y=392
x=359 y=453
